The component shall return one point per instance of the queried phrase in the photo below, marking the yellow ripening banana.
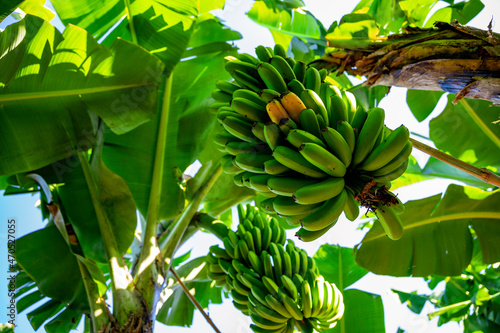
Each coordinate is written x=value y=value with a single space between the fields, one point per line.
x=276 y=111
x=293 y=105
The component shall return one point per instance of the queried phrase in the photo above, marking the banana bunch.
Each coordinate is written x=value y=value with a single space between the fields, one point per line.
x=278 y=286
x=302 y=143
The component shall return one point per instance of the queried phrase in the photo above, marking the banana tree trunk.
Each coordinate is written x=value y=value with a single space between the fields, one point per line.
x=450 y=57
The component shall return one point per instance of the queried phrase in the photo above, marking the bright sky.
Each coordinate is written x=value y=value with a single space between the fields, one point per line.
x=225 y=316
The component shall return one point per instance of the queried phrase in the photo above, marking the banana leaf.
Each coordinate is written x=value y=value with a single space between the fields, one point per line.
x=7 y=7
x=436 y=239
x=468 y=132
x=45 y=117
x=189 y=122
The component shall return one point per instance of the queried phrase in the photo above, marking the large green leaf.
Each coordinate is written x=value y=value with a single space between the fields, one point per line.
x=468 y=131
x=177 y=309
x=7 y=7
x=295 y=22
x=56 y=274
x=463 y=12
x=422 y=102
x=417 y=11
x=387 y=14
x=337 y=265
x=37 y=8
x=52 y=80
x=360 y=304
x=161 y=26
x=189 y=122
x=436 y=239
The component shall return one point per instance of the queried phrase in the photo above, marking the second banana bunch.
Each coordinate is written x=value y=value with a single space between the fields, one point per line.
x=278 y=286
x=302 y=142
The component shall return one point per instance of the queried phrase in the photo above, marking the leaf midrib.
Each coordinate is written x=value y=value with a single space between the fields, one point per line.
x=442 y=218
x=64 y=93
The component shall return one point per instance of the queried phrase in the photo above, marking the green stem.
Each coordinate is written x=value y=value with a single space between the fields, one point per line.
x=483 y=174
x=171 y=242
x=214 y=226
x=130 y=21
x=98 y=310
x=146 y=275
x=125 y=298
x=193 y=300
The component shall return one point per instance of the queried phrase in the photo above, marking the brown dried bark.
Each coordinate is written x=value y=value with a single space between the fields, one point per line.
x=450 y=57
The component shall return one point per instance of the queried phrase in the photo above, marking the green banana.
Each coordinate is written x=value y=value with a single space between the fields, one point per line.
x=304 y=262
x=223 y=138
x=291 y=306
x=273 y=167
x=243 y=250
x=312 y=101
x=312 y=79
x=291 y=62
x=247 y=58
x=238 y=179
x=265 y=323
x=396 y=162
x=287 y=264
x=267 y=95
x=351 y=208
x=277 y=306
x=286 y=125
x=306 y=299
x=259 y=182
x=326 y=214
x=270 y=314
x=317 y=295
x=366 y=138
x=239 y=298
x=238 y=128
x=271 y=286
x=350 y=102
x=257 y=238
x=387 y=150
x=259 y=293
x=263 y=53
x=273 y=135
x=271 y=77
x=300 y=69
x=309 y=236
x=390 y=221
x=283 y=68
x=258 y=131
x=237 y=65
x=294 y=220
x=393 y=175
x=321 y=121
x=286 y=186
x=230 y=168
x=345 y=129
x=297 y=137
x=276 y=231
x=267 y=206
x=254 y=261
x=358 y=119
x=337 y=144
x=309 y=122
x=268 y=266
x=337 y=110
x=319 y=191
x=227 y=111
x=322 y=159
x=238 y=147
x=250 y=95
x=252 y=162
x=219 y=253
x=249 y=109
x=279 y=50
x=290 y=287
x=247 y=81
x=294 y=160
x=221 y=96
x=287 y=206
x=227 y=87
x=249 y=240
x=296 y=87
x=266 y=237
